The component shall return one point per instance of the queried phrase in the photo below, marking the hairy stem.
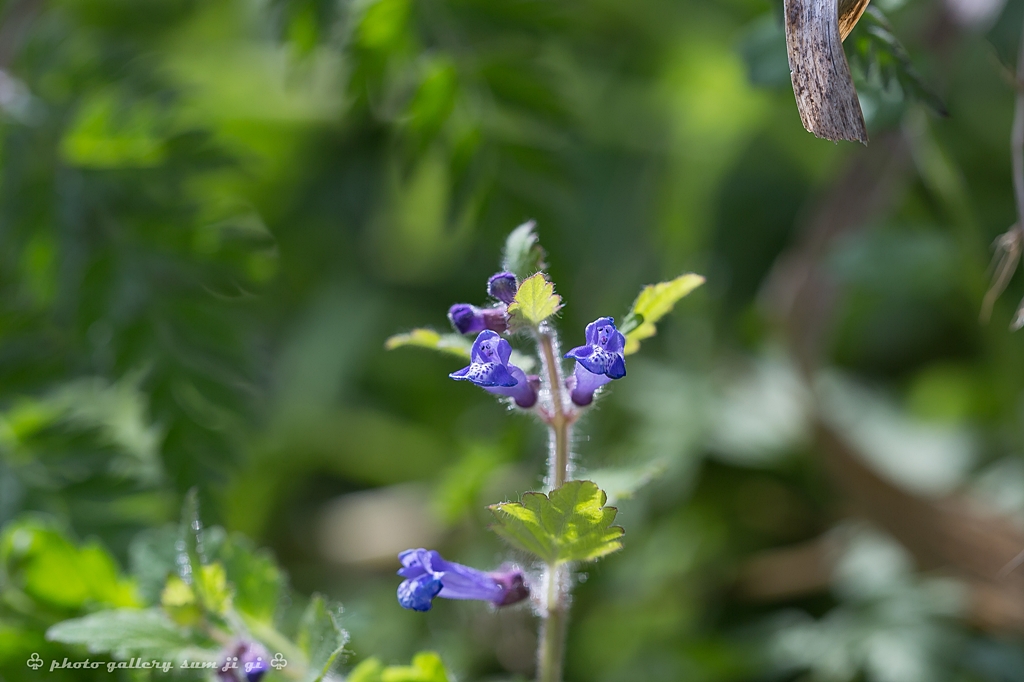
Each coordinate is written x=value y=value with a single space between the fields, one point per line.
x=551 y=644
x=551 y=650
x=560 y=421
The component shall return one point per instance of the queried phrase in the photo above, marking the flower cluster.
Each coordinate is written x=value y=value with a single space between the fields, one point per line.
x=600 y=360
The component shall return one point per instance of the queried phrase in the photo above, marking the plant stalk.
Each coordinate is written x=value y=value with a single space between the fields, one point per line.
x=561 y=421
x=555 y=613
x=551 y=650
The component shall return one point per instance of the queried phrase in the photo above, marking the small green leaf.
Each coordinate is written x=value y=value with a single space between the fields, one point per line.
x=428 y=338
x=321 y=638
x=426 y=667
x=654 y=302
x=368 y=671
x=571 y=523
x=179 y=602
x=215 y=591
x=535 y=301
x=125 y=633
x=523 y=253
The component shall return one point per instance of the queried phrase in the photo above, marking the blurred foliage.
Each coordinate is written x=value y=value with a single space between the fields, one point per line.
x=213 y=214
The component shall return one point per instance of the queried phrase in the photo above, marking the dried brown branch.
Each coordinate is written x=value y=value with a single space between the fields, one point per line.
x=822 y=84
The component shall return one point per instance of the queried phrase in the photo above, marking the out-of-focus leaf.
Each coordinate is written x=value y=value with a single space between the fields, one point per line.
x=179 y=602
x=454 y=344
x=571 y=523
x=426 y=667
x=258 y=581
x=622 y=482
x=880 y=57
x=524 y=255
x=654 y=302
x=39 y=560
x=125 y=633
x=215 y=591
x=459 y=487
x=107 y=134
x=763 y=48
x=321 y=637
x=535 y=301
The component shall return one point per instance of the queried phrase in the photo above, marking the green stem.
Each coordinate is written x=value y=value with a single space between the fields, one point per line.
x=551 y=644
x=551 y=651
x=561 y=419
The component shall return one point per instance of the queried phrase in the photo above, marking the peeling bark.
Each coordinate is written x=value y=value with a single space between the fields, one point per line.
x=825 y=95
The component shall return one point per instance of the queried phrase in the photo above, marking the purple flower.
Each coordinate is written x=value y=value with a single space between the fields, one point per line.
x=468 y=319
x=490 y=370
x=599 y=361
x=503 y=286
x=427 y=575
x=245 y=662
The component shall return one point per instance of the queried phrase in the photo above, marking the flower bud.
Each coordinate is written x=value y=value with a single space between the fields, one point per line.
x=503 y=286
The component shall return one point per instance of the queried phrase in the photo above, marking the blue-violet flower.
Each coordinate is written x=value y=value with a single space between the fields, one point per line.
x=245 y=662
x=468 y=319
x=489 y=369
x=427 y=575
x=599 y=361
x=503 y=286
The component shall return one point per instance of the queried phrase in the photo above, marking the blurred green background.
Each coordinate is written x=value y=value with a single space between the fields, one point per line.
x=213 y=213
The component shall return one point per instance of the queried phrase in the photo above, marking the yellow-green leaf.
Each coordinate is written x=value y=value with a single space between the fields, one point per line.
x=535 y=301
x=426 y=667
x=654 y=302
x=571 y=523
x=428 y=338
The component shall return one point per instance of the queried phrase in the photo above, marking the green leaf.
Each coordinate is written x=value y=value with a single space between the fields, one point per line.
x=535 y=301
x=368 y=671
x=257 y=579
x=428 y=338
x=125 y=633
x=321 y=638
x=48 y=567
x=571 y=523
x=523 y=253
x=426 y=667
x=213 y=587
x=654 y=302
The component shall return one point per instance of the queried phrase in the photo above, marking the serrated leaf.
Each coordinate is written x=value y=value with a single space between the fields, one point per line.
x=321 y=637
x=125 y=633
x=455 y=344
x=523 y=253
x=535 y=301
x=571 y=523
x=654 y=302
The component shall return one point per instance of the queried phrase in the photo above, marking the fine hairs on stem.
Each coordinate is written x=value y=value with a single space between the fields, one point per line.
x=555 y=608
